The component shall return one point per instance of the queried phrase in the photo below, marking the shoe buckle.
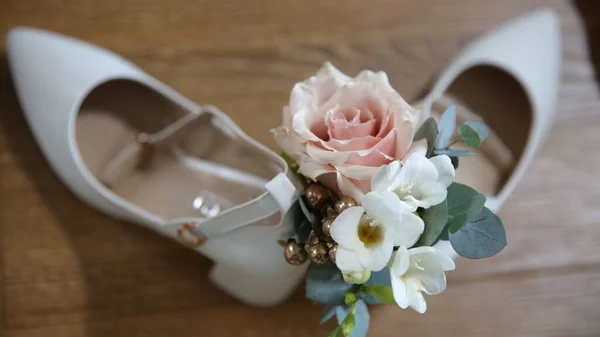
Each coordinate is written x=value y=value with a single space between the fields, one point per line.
x=189 y=235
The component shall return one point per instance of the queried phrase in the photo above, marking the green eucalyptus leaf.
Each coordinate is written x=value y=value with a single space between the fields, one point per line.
x=454 y=161
x=302 y=229
x=445 y=233
x=464 y=203
x=484 y=236
x=380 y=277
x=316 y=225
x=361 y=318
x=454 y=153
x=342 y=311
x=383 y=294
x=435 y=219
x=327 y=313
x=473 y=133
x=325 y=284
x=446 y=126
x=479 y=127
x=429 y=131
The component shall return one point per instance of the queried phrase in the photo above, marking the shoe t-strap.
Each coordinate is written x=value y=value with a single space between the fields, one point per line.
x=280 y=196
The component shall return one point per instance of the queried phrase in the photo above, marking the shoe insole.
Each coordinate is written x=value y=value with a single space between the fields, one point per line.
x=492 y=95
x=203 y=175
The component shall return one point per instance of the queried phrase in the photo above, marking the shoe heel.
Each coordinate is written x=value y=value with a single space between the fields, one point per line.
x=256 y=290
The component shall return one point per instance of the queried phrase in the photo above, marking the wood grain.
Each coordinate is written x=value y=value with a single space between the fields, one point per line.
x=66 y=270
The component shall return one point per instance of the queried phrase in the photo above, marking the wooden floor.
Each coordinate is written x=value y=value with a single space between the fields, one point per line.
x=67 y=270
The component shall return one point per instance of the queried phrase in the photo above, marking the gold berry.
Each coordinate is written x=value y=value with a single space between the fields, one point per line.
x=294 y=253
x=318 y=253
x=316 y=195
x=343 y=204
x=331 y=253
x=313 y=239
x=327 y=226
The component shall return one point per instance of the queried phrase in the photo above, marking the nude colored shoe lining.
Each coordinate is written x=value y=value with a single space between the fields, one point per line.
x=489 y=94
x=204 y=171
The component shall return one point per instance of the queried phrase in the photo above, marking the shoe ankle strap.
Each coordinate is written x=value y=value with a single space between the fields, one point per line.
x=281 y=194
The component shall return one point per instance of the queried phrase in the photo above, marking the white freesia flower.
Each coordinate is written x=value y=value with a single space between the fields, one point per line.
x=418 y=270
x=420 y=182
x=367 y=234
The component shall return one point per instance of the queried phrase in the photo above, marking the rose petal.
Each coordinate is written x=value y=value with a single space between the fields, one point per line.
x=343 y=126
x=419 y=147
x=386 y=125
x=356 y=144
x=357 y=172
x=403 y=139
x=383 y=153
x=318 y=89
x=303 y=122
x=329 y=180
x=325 y=156
x=363 y=185
x=347 y=187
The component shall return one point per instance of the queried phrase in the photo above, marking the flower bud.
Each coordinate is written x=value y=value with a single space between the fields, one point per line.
x=358 y=277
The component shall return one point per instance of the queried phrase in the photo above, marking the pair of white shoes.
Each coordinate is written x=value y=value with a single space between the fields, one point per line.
x=133 y=148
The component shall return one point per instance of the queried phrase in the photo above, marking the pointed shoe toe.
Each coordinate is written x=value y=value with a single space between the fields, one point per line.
x=509 y=78
x=131 y=147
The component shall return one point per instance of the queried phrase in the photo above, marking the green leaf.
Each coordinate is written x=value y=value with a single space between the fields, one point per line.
x=325 y=284
x=464 y=203
x=293 y=165
x=312 y=217
x=383 y=294
x=302 y=229
x=454 y=153
x=445 y=233
x=381 y=277
x=435 y=219
x=454 y=161
x=479 y=127
x=327 y=313
x=484 y=236
x=361 y=318
x=429 y=131
x=337 y=332
x=350 y=298
x=446 y=127
x=473 y=133
x=348 y=324
x=342 y=311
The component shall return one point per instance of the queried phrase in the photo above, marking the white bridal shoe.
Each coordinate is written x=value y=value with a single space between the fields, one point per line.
x=132 y=147
x=508 y=78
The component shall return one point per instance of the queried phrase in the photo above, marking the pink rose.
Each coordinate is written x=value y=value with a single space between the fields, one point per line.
x=340 y=129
